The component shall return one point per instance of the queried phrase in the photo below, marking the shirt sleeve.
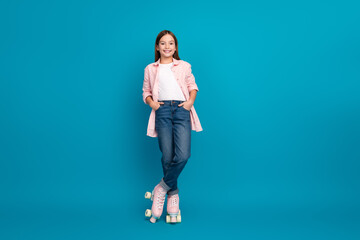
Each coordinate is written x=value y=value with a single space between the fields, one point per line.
x=190 y=80
x=146 y=85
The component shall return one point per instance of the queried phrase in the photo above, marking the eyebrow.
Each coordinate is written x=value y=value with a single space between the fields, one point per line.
x=169 y=41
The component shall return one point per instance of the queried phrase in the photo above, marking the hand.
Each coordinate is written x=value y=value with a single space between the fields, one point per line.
x=156 y=105
x=187 y=105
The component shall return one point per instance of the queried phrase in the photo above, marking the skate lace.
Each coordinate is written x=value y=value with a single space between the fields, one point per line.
x=173 y=201
x=160 y=199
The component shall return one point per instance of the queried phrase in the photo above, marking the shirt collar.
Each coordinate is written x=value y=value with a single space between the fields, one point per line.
x=175 y=61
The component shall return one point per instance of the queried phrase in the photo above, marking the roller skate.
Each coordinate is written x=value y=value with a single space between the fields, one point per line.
x=173 y=211
x=158 y=198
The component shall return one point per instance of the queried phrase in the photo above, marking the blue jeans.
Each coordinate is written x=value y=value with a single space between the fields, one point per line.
x=173 y=126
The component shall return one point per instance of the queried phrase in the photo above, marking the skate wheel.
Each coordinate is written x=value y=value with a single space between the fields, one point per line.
x=148 y=195
x=167 y=218
x=148 y=213
x=178 y=218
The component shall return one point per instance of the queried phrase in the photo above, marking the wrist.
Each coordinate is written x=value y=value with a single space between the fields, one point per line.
x=150 y=101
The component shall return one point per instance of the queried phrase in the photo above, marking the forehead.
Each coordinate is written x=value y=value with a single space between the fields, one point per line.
x=167 y=38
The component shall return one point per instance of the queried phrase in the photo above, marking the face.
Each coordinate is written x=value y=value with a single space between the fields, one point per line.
x=166 y=46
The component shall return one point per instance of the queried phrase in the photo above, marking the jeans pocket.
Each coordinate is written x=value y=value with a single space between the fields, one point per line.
x=158 y=108
x=185 y=108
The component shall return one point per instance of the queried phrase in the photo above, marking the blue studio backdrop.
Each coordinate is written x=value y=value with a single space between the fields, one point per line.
x=278 y=100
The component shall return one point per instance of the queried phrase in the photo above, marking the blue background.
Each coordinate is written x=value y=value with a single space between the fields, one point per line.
x=278 y=100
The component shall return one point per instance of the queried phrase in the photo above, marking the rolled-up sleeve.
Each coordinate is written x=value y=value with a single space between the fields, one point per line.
x=146 y=85
x=190 y=80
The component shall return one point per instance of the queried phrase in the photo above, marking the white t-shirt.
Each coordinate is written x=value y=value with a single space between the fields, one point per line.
x=169 y=89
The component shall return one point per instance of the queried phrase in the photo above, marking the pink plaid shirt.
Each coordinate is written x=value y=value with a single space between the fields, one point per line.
x=185 y=78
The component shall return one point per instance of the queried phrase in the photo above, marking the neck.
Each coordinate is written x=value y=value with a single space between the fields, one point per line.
x=165 y=60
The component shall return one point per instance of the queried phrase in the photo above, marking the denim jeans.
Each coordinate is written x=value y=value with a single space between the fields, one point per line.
x=173 y=126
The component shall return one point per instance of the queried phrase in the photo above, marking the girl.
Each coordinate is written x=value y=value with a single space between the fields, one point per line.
x=169 y=88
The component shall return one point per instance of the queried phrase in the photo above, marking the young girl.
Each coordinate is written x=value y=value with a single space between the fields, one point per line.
x=170 y=90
